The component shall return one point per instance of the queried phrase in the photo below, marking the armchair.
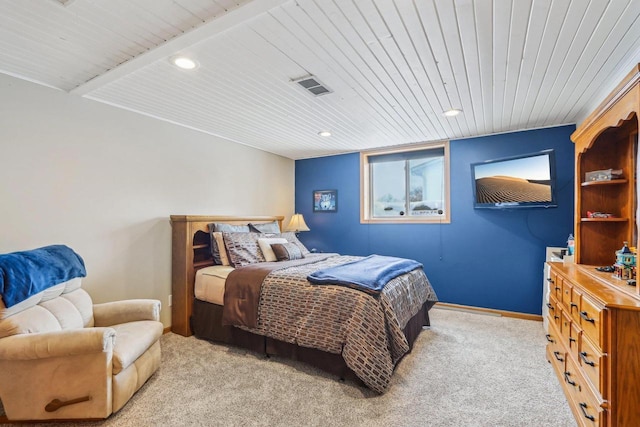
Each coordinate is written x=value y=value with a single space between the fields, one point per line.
x=63 y=357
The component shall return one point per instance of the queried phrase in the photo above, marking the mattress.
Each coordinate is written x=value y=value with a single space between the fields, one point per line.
x=210 y=281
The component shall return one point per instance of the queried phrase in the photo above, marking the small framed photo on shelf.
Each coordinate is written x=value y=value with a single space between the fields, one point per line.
x=325 y=200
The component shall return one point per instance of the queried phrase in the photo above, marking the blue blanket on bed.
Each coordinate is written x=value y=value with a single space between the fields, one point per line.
x=369 y=274
x=23 y=274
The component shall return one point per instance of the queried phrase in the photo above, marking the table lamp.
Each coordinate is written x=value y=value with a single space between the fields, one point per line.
x=297 y=224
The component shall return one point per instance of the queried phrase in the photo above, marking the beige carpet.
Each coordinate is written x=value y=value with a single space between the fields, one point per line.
x=466 y=370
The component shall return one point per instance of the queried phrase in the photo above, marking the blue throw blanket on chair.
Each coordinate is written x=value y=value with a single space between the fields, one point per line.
x=23 y=274
x=369 y=274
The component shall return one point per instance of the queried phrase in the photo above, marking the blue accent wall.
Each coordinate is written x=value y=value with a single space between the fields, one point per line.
x=484 y=258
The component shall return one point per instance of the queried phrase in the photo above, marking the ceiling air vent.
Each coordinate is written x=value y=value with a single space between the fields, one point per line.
x=313 y=85
x=64 y=3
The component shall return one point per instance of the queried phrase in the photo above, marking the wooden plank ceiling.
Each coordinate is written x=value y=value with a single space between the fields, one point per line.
x=393 y=66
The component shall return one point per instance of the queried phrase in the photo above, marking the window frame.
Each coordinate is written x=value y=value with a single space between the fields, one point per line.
x=366 y=180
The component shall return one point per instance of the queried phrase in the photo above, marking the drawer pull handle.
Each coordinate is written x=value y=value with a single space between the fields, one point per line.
x=549 y=338
x=573 y=304
x=585 y=316
x=557 y=288
x=583 y=407
x=550 y=306
x=556 y=317
x=583 y=356
x=557 y=355
x=571 y=340
x=550 y=280
x=567 y=374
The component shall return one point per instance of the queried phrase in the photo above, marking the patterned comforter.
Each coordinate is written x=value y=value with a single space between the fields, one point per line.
x=367 y=330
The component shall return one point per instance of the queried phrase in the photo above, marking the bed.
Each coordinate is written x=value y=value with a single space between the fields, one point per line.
x=270 y=307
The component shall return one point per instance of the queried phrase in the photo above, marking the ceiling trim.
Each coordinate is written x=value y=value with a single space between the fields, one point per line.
x=171 y=47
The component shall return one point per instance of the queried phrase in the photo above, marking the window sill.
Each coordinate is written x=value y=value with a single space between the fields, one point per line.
x=438 y=220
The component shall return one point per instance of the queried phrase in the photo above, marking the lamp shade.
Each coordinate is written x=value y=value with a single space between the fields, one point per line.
x=297 y=224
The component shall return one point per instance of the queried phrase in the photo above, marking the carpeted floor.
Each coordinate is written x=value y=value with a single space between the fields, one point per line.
x=466 y=370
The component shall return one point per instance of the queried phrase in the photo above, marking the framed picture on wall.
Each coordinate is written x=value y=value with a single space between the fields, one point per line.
x=325 y=200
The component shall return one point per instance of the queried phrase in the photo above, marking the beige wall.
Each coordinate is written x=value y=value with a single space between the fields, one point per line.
x=104 y=182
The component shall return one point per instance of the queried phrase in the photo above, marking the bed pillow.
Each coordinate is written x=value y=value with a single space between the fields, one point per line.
x=269 y=227
x=230 y=228
x=286 y=251
x=291 y=238
x=217 y=248
x=243 y=248
x=265 y=246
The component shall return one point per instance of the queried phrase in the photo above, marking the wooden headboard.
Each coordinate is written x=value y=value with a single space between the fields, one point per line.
x=191 y=250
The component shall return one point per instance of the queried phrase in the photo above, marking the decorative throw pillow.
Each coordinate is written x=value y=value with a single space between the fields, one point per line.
x=221 y=249
x=218 y=249
x=286 y=251
x=215 y=250
x=269 y=227
x=243 y=248
x=265 y=246
x=291 y=238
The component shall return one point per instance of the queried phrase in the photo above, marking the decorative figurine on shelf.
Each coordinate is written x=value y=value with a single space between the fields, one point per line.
x=625 y=266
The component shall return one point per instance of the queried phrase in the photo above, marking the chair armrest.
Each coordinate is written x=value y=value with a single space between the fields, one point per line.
x=114 y=313
x=56 y=344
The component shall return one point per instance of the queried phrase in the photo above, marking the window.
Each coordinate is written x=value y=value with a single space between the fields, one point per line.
x=408 y=185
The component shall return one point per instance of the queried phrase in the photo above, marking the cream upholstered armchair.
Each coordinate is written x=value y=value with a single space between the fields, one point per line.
x=63 y=357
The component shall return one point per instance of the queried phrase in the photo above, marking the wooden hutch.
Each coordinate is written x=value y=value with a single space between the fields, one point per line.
x=594 y=318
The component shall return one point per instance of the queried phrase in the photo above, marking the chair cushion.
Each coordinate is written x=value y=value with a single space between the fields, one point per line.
x=83 y=304
x=30 y=321
x=70 y=310
x=132 y=340
x=65 y=313
x=46 y=295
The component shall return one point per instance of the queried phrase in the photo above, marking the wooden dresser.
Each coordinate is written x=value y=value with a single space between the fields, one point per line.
x=594 y=344
x=594 y=319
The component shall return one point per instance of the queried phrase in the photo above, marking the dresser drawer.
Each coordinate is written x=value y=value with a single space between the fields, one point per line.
x=591 y=317
x=555 y=350
x=585 y=404
x=567 y=293
x=574 y=304
x=589 y=413
x=574 y=340
x=555 y=312
x=565 y=329
x=555 y=285
x=552 y=305
x=593 y=364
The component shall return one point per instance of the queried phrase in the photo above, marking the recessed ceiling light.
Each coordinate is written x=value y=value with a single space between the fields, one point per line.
x=324 y=133
x=184 y=62
x=452 y=113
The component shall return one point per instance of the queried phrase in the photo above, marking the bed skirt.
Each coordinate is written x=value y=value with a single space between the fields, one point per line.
x=206 y=323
